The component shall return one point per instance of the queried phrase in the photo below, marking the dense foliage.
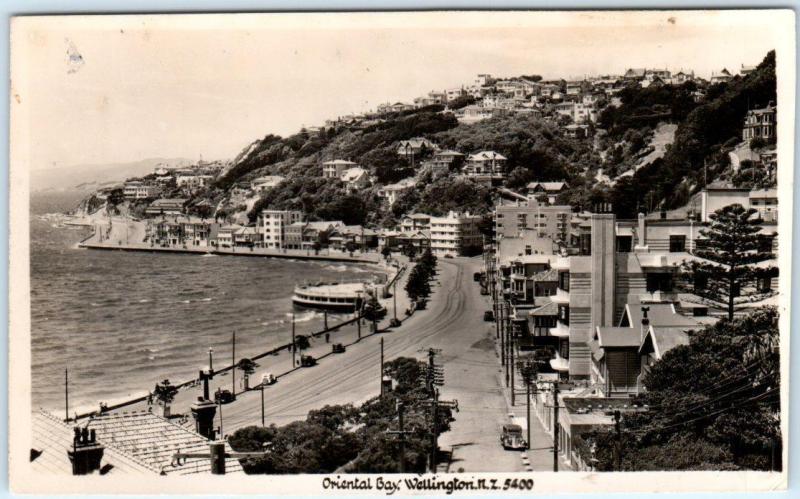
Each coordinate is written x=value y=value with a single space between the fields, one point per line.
x=349 y=439
x=418 y=284
x=728 y=276
x=713 y=405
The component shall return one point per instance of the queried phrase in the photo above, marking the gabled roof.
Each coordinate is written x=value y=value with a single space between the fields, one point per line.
x=546 y=310
x=151 y=441
x=549 y=275
x=660 y=315
x=548 y=186
x=616 y=337
x=486 y=156
x=660 y=340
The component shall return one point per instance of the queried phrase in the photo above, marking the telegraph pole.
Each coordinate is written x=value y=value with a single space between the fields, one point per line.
x=262 y=405
x=555 y=426
x=381 y=377
x=434 y=429
x=401 y=433
x=233 y=364
x=528 y=409
x=511 y=348
x=502 y=337
x=294 y=344
x=619 y=440
x=66 y=394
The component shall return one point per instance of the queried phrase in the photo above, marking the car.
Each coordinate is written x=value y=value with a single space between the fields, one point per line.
x=338 y=348
x=488 y=316
x=307 y=361
x=511 y=439
x=448 y=255
x=223 y=397
x=484 y=291
x=477 y=276
x=268 y=379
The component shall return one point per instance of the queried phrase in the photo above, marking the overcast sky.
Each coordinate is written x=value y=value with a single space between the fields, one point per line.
x=123 y=89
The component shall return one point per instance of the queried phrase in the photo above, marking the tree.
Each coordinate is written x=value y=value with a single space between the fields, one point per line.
x=350 y=246
x=418 y=286
x=386 y=252
x=714 y=404
x=373 y=310
x=248 y=367
x=316 y=247
x=301 y=342
x=727 y=276
x=165 y=393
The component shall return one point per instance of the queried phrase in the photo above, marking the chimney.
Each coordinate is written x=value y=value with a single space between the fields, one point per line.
x=645 y=323
x=86 y=453
x=641 y=234
x=204 y=409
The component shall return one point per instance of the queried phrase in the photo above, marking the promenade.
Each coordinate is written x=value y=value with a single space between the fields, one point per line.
x=452 y=322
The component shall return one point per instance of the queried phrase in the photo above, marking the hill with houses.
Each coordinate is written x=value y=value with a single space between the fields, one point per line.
x=645 y=140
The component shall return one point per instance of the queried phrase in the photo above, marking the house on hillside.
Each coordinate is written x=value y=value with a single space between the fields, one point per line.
x=265 y=183
x=723 y=76
x=485 y=163
x=136 y=189
x=549 y=189
x=335 y=168
x=165 y=207
x=355 y=178
x=760 y=123
x=392 y=192
x=413 y=147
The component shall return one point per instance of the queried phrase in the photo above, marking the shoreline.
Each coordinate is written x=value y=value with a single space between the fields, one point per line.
x=368 y=258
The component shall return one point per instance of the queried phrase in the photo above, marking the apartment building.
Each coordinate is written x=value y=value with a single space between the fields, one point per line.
x=273 y=224
x=517 y=219
x=455 y=234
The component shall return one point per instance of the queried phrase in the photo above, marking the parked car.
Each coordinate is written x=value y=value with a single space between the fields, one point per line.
x=268 y=379
x=477 y=276
x=488 y=316
x=448 y=255
x=511 y=439
x=338 y=348
x=484 y=291
x=307 y=361
x=223 y=397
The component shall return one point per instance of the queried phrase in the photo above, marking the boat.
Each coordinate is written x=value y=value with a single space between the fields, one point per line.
x=337 y=297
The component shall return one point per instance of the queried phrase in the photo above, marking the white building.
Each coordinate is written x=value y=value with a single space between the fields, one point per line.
x=392 y=192
x=335 y=168
x=273 y=226
x=138 y=190
x=356 y=178
x=192 y=180
x=455 y=234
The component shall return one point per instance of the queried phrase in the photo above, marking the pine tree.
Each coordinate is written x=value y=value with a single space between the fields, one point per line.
x=727 y=274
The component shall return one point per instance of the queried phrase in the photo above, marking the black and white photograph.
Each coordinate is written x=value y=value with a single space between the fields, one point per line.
x=401 y=253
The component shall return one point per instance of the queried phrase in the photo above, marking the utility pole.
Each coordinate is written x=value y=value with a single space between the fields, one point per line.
x=511 y=348
x=555 y=426
x=528 y=409
x=66 y=394
x=619 y=440
x=401 y=433
x=434 y=429
x=233 y=364
x=294 y=344
x=211 y=359
x=219 y=403
x=502 y=337
x=262 y=403
x=325 y=318
x=381 y=377
x=394 y=297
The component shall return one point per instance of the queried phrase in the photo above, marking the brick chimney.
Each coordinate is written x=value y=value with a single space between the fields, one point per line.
x=86 y=453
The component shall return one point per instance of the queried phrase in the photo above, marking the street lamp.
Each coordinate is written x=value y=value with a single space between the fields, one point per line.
x=211 y=359
x=263 y=382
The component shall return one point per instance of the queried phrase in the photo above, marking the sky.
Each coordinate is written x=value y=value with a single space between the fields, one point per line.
x=109 y=89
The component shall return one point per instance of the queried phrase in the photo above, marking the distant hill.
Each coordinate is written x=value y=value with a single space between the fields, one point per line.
x=89 y=178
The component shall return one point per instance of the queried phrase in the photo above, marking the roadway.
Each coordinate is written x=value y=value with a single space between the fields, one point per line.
x=452 y=322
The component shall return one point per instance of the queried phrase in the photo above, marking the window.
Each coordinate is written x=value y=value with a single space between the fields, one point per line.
x=659 y=282
x=624 y=244
x=765 y=284
x=563 y=314
x=677 y=244
x=563 y=281
x=527 y=249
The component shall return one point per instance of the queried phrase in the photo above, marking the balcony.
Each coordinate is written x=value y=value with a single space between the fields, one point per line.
x=559 y=364
x=561 y=330
x=561 y=297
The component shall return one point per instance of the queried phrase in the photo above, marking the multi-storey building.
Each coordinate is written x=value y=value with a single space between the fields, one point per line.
x=485 y=163
x=139 y=190
x=335 y=168
x=455 y=234
x=274 y=224
x=517 y=219
x=760 y=123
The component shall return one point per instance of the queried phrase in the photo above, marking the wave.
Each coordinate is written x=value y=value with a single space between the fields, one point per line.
x=306 y=316
x=274 y=322
x=207 y=255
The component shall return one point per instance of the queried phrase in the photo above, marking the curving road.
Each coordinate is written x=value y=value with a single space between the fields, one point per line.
x=453 y=322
